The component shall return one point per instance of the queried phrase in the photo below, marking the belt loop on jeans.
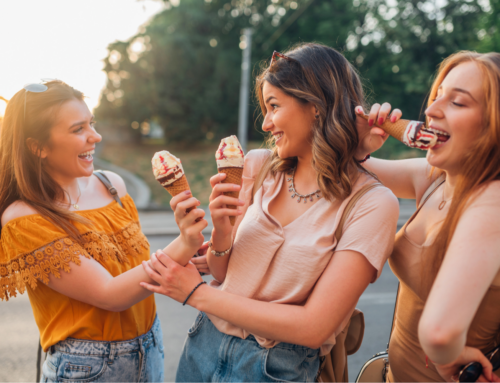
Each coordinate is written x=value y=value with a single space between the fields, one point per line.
x=112 y=352
x=153 y=335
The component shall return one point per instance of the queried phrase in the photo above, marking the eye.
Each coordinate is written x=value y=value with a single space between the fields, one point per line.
x=457 y=104
x=78 y=130
x=274 y=106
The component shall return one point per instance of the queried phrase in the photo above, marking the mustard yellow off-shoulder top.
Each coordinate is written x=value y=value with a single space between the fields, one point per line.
x=32 y=248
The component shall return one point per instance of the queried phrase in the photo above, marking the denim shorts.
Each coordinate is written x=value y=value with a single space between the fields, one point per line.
x=212 y=356
x=136 y=360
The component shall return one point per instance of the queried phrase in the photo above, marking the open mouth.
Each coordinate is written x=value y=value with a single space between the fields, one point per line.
x=442 y=136
x=87 y=156
x=277 y=136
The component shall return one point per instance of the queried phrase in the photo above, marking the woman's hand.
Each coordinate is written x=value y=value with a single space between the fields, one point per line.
x=173 y=280
x=190 y=223
x=218 y=202
x=372 y=138
x=200 y=260
x=449 y=372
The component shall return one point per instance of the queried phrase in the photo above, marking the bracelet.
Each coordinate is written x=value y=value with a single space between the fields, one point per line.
x=220 y=253
x=364 y=159
x=191 y=293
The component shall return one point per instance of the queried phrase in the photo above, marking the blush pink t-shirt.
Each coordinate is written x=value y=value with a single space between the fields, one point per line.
x=279 y=264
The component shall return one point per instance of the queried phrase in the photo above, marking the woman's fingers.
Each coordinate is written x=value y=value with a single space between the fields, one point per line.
x=396 y=115
x=179 y=198
x=384 y=111
x=214 y=180
x=372 y=116
x=223 y=200
x=203 y=249
x=219 y=189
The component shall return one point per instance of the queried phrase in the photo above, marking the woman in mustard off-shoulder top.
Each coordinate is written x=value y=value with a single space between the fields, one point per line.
x=73 y=247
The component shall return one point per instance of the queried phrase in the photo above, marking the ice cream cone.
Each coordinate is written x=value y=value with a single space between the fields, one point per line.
x=233 y=176
x=395 y=129
x=177 y=187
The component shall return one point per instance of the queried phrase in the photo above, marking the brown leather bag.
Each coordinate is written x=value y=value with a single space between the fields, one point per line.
x=334 y=365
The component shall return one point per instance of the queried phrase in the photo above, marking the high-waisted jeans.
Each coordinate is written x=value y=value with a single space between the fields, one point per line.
x=212 y=356
x=136 y=360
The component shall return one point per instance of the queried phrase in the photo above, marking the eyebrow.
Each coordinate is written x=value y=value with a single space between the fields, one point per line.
x=80 y=122
x=269 y=98
x=460 y=90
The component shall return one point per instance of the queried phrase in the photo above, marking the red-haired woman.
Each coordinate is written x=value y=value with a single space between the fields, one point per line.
x=75 y=248
x=447 y=255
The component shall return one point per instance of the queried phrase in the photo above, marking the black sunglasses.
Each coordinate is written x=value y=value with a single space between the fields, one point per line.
x=472 y=371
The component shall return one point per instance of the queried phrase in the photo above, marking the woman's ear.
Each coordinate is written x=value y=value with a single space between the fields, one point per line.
x=34 y=146
x=316 y=112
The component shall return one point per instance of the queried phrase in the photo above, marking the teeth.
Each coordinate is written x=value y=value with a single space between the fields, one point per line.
x=278 y=136
x=89 y=153
x=438 y=132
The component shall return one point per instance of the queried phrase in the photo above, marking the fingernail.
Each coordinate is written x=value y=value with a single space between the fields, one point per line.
x=370 y=122
x=241 y=201
x=380 y=121
x=187 y=192
x=393 y=119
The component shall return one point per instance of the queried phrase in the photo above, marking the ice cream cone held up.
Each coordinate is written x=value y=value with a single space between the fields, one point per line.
x=411 y=133
x=230 y=160
x=169 y=173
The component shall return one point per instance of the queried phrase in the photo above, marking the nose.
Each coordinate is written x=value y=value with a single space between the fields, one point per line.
x=435 y=110
x=267 y=124
x=95 y=137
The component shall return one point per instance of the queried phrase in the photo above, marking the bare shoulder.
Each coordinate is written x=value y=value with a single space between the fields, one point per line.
x=15 y=210
x=487 y=198
x=117 y=182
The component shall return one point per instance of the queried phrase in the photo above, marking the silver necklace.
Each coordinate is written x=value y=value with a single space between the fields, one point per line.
x=291 y=189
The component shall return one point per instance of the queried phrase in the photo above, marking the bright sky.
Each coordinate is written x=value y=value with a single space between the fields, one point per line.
x=64 y=39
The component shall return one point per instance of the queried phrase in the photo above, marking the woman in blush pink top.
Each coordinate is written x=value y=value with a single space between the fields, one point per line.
x=284 y=288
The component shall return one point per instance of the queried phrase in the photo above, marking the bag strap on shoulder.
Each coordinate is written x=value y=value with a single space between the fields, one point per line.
x=350 y=206
x=105 y=180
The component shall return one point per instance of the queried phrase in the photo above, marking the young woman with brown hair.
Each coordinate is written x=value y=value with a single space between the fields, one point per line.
x=73 y=247
x=284 y=287
x=446 y=256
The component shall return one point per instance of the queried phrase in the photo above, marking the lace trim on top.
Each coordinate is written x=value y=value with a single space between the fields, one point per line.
x=27 y=268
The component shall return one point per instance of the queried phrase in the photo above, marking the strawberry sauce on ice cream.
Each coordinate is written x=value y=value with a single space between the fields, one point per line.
x=230 y=154
x=166 y=167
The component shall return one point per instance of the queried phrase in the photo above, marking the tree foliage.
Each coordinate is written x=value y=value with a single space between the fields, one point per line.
x=182 y=70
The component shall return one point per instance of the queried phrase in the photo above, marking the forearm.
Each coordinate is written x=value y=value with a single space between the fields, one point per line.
x=218 y=265
x=284 y=323
x=179 y=251
x=124 y=291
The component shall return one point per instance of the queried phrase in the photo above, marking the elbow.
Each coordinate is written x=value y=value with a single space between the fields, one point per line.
x=435 y=338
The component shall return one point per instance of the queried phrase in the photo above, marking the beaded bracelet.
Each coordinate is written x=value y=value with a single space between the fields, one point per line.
x=191 y=293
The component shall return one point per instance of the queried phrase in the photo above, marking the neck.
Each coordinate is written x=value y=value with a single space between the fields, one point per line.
x=71 y=186
x=449 y=185
x=305 y=172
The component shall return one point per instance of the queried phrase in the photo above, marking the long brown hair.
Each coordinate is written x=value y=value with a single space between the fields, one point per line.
x=322 y=76
x=23 y=176
x=481 y=163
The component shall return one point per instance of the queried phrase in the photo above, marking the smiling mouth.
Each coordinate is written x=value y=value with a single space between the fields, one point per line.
x=277 y=136
x=86 y=155
x=442 y=136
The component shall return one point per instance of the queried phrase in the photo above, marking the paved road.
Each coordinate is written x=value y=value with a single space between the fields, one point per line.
x=19 y=334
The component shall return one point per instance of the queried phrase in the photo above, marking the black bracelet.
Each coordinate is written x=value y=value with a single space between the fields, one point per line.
x=191 y=293
x=364 y=159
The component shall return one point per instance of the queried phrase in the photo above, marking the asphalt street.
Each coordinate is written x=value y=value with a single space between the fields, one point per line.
x=19 y=334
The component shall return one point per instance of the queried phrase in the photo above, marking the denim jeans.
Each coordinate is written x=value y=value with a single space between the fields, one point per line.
x=136 y=360
x=212 y=356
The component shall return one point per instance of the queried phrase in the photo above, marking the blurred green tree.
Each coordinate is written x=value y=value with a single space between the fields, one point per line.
x=182 y=70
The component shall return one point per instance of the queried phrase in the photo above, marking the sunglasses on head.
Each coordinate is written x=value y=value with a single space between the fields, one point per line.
x=277 y=55
x=35 y=88
x=472 y=371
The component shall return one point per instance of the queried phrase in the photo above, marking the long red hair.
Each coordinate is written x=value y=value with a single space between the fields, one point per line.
x=26 y=129
x=481 y=164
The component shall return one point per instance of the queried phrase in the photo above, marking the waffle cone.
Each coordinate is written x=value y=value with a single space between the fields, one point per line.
x=395 y=129
x=233 y=176
x=178 y=187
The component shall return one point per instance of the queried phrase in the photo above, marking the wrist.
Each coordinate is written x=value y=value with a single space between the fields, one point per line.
x=185 y=246
x=221 y=242
x=199 y=296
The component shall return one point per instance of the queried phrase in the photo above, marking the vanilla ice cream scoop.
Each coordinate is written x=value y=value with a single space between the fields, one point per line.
x=230 y=154
x=167 y=168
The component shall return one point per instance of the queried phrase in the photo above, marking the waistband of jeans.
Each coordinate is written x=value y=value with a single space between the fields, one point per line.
x=107 y=348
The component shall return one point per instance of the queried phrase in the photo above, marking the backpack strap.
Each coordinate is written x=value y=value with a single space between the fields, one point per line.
x=105 y=180
x=350 y=206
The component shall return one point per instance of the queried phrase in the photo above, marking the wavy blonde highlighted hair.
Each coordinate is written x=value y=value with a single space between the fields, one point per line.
x=320 y=75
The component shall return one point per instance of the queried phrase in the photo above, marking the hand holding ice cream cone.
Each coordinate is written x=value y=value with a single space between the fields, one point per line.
x=230 y=160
